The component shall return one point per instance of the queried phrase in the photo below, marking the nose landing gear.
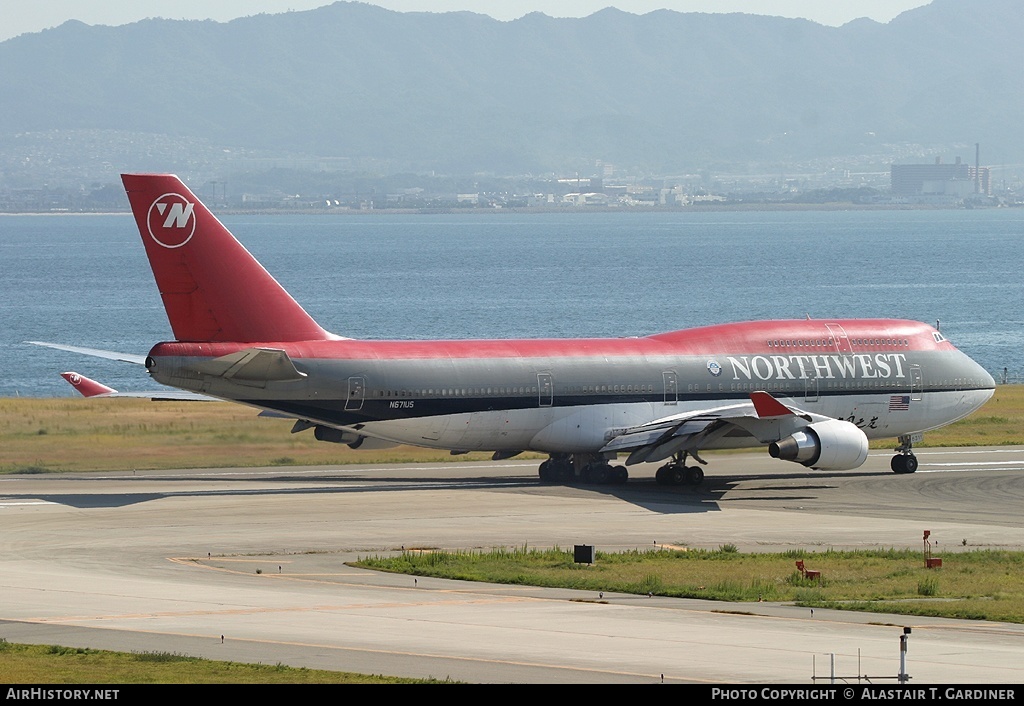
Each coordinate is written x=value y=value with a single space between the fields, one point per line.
x=905 y=461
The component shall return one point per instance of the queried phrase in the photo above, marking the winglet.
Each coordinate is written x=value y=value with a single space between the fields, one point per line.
x=767 y=406
x=88 y=388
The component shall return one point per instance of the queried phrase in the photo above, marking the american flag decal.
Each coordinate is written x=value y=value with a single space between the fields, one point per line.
x=899 y=403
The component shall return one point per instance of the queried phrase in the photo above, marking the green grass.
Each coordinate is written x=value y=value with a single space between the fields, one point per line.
x=52 y=664
x=980 y=584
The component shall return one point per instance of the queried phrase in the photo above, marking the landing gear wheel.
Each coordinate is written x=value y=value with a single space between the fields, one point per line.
x=545 y=472
x=555 y=470
x=677 y=474
x=619 y=475
x=903 y=463
x=564 y=472
x=597 y=473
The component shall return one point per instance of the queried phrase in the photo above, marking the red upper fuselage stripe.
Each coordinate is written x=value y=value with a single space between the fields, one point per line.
x=793 y=337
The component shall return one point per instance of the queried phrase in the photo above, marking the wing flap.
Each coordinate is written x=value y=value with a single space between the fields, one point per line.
x=764 y=417
x=639 y=436
x=666 y=427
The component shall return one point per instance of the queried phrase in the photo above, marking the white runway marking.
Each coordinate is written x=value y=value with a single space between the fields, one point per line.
x=1002 y=464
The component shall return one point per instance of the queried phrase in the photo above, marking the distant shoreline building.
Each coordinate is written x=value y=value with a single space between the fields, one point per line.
x=958 y=180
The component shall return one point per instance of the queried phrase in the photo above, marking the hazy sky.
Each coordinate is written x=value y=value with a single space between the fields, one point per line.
x=20 y=16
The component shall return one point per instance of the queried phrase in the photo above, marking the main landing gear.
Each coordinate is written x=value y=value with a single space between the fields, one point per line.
x=591 y=469
x=557 y=469
x=676 y=472
x=904 y=461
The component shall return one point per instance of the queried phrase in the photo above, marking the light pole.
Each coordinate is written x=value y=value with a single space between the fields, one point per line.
x=904 y=640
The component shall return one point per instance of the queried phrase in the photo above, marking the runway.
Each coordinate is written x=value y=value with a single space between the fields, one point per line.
x=171 y=562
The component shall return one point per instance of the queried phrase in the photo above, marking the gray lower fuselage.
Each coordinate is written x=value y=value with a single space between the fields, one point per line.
x=577 y=403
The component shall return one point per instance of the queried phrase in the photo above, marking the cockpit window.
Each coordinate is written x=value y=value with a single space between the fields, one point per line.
x=939 y=338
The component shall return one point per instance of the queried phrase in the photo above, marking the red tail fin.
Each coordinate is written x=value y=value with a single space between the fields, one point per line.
x=213 y=289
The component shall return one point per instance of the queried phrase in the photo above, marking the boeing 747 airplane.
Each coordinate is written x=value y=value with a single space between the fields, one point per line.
x=813 y=391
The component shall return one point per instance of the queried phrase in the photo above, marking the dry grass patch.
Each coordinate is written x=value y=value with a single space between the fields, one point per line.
x=69 y=434
x=78 y=434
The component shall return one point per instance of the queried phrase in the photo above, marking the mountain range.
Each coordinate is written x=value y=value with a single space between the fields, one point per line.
x=664 y=91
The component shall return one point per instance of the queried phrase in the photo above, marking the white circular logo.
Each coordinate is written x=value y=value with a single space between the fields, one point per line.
x=75 y=379
x=714 y=368
x=171 y=221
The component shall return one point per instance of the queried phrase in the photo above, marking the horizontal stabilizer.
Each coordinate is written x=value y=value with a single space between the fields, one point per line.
x=90 y=388
x=94 y=352
x=86 y=386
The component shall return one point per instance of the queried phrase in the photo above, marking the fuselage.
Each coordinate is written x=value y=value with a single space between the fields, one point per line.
x=888 y=377
x=812 y=391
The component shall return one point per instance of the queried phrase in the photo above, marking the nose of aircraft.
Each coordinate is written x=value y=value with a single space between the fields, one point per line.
x=983 y=378
x=977 y=383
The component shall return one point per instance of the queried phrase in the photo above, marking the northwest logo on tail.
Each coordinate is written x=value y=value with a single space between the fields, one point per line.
x=171 y=220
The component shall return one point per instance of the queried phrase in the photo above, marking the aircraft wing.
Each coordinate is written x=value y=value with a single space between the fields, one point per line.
x=94 y=352
x=763 y=417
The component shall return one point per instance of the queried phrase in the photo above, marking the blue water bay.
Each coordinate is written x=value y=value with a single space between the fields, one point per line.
x=84 y=280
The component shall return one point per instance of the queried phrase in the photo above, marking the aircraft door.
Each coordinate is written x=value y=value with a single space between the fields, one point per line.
x=545 y=390
x=671 y=386
x=916 y=382
x=838 y=335
x=356 y=394
x=811 y=386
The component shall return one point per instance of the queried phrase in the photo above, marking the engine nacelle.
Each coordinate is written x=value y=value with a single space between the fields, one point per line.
x=354 y=441
x=833 y=445
x=368 y=443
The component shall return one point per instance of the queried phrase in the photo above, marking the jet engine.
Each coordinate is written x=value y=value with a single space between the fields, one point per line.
x=354 y=441
x=833 y=445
